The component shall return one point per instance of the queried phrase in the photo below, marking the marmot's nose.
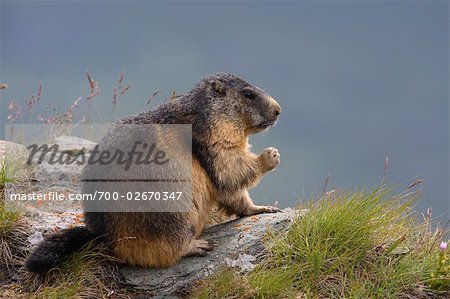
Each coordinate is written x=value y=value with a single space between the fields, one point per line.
x=277 y=108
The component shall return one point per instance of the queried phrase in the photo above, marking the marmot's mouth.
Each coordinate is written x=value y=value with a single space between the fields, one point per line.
x=267 y=124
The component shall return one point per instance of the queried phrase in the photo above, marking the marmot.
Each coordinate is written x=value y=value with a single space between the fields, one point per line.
x=223 y=110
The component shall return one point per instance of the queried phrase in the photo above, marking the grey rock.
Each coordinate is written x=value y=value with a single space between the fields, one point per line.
x=239 y=243
x=63 y=177
x=69 y=143
x=243 y=262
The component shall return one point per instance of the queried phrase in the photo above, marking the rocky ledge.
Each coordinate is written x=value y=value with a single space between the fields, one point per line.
x=238 y=243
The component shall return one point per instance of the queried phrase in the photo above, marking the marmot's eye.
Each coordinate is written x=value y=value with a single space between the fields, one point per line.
x=248 y=94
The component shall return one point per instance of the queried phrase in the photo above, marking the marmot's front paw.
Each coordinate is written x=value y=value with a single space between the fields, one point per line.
x=270 y=158
x=263 y=209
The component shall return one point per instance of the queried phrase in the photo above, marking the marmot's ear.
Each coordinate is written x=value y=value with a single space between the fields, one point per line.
x=217 y=86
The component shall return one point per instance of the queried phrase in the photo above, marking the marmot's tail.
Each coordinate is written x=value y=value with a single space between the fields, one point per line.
x=55 y=248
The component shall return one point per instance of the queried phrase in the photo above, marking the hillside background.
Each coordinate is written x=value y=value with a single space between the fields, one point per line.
x=357 y=81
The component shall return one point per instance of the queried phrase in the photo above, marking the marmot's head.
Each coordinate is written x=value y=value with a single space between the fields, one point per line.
x=236 y=101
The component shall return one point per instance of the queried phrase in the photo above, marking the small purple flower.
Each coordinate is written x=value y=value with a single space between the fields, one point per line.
x=443 y=246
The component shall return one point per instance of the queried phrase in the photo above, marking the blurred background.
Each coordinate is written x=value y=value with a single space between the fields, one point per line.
x=358 y=81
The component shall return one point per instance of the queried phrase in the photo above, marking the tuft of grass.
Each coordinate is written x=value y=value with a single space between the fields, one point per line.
x=358 y=244
x=13 y=227
x=12 y=167
x=8 y=219
x=13 y=241
x=227 y=284
x=90 y=273
x=7 y=173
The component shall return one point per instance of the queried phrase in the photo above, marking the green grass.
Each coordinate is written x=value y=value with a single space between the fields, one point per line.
x=12 y=225
x=12 y=169
x=355 y=244
x=90 y=273
x=8 y=219
x=12 y=241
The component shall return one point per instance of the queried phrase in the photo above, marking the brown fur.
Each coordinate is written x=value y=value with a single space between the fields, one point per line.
x=134 y=247
x=238 y=169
